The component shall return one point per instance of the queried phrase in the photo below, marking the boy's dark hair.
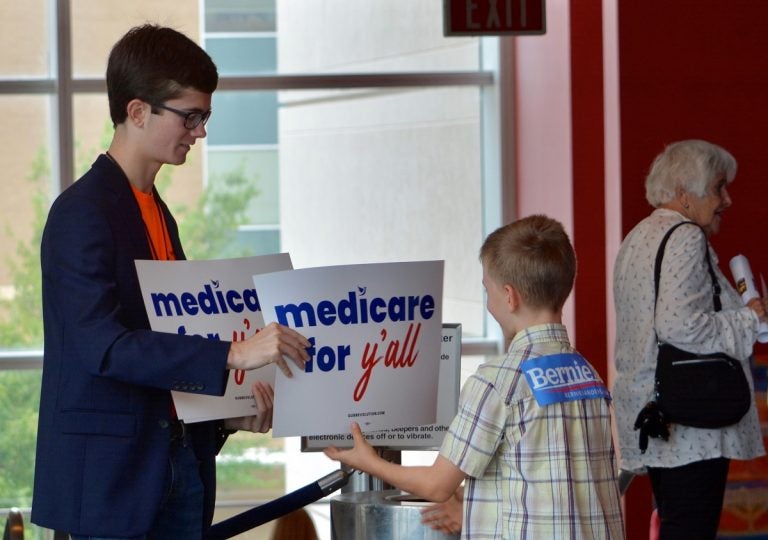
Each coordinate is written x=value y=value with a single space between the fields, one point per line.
x=535 y=256
x=154 y=64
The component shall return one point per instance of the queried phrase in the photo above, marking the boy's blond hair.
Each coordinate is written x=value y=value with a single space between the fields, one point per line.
x=535 y=256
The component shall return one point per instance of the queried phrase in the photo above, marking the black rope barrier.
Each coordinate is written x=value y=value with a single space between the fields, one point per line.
x=286 y=504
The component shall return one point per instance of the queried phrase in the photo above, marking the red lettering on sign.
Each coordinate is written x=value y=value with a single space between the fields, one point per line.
x=406 y=357
x=239 y=375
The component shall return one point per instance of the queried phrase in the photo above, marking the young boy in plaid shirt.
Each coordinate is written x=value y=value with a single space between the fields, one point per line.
x=532 y=436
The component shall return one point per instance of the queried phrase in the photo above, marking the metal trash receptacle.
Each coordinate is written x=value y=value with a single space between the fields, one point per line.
x=381 y=515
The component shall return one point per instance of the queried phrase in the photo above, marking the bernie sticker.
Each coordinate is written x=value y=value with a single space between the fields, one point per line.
x=563 y=377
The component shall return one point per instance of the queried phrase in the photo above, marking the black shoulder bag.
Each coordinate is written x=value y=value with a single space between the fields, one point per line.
x=699 y=390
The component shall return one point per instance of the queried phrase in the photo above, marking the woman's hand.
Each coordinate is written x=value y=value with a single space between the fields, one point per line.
x=760 y=307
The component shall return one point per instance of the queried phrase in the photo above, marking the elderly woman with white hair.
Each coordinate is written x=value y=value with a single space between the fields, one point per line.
x=689 y=182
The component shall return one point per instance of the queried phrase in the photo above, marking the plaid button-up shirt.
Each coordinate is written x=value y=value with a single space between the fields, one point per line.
x=533 y=472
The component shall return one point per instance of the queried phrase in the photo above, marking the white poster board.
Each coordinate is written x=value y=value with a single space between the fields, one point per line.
x=428 y=437
x=215 y=299
x=375 y=331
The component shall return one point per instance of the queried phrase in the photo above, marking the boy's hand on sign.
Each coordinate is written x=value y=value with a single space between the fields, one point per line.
x=359 y=457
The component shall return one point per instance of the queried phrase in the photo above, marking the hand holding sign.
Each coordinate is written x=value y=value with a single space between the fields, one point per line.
x=216 y=300
x=271 y=345
x=261 y=422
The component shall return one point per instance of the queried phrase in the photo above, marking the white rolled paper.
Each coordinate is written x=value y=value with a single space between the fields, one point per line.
x=745 y=285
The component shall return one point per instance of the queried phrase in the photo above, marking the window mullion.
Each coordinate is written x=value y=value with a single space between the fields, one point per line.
x=64 y=149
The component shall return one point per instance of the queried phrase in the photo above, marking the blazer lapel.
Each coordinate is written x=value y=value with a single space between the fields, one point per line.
x=126 y=207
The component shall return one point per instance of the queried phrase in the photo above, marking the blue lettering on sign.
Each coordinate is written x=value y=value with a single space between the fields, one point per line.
x=562 y=377
x=208 y=301
x=356 y=309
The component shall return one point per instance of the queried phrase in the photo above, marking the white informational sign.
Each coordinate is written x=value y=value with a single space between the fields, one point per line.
x=375 y=333
x=217 y=300
x=428 y=437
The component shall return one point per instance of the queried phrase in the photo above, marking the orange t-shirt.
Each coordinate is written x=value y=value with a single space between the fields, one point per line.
x=157 y=234
x=154 y=225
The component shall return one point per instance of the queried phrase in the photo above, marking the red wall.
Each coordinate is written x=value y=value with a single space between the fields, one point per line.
x=697 y=69
x=588 y=126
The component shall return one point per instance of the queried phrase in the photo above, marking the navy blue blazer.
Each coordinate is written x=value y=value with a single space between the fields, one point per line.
x=103 y=437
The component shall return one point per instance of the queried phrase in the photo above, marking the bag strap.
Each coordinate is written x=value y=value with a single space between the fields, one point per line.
x=660 y=256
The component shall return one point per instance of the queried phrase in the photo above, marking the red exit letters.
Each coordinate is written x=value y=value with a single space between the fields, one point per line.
x=493 y=17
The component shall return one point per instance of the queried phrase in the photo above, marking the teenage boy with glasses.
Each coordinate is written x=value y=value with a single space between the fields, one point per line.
x=112 y=459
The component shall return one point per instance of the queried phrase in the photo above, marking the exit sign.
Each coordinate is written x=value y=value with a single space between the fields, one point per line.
x=493 y=17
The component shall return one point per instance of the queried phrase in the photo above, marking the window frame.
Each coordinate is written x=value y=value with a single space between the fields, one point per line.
x=497 y=175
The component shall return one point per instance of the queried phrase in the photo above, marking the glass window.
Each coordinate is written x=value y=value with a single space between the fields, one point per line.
x=24 y=39
x=403 y=167
x=97 y=24
x=374 y=36
x=26 y=153
x=92 y=129
x=19 y=402
x=258 y=241
x=260 y=167
x=26 y=158
x=246 y=117
x=248 y=175
x=243 y=55
x=240 y=15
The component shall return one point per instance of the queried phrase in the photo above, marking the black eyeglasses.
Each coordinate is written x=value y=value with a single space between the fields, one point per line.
x=191 y=119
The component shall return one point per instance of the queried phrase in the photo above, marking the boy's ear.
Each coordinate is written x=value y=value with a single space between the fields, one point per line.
x=137 y=111
x=513 y=298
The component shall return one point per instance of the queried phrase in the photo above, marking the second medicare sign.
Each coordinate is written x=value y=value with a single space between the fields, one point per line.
x=375 y=331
